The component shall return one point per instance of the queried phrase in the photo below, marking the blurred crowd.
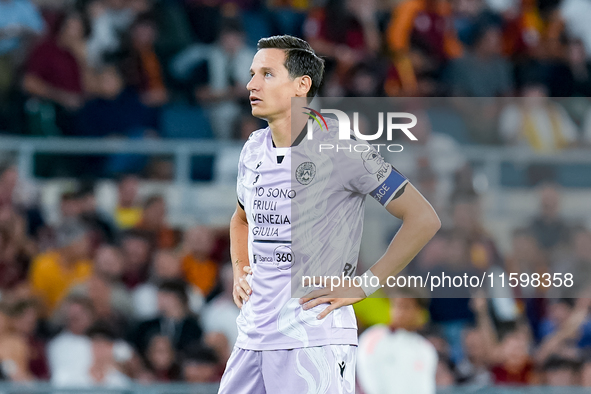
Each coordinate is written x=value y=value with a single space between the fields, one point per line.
x=114 y=297
x=109 y=298
x=132 y=68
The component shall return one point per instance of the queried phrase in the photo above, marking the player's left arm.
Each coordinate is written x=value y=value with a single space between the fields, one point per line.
x=419 y=224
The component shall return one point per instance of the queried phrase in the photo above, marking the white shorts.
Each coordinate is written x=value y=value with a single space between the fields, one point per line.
x=328 y=369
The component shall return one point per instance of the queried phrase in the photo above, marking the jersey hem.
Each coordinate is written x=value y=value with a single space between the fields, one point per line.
x=290 y=345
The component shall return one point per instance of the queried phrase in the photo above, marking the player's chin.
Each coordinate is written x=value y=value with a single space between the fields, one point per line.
x=258 y=112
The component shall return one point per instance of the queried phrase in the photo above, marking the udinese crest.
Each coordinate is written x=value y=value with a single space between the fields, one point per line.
x=305 y=172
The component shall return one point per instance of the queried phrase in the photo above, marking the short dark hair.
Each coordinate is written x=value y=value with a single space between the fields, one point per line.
x=177 y=287
x=300 y=59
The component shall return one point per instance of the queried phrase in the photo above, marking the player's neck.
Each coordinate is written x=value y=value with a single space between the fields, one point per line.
x=283 y=132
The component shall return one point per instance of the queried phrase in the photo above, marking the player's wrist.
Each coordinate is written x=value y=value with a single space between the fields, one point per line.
x=370 y=283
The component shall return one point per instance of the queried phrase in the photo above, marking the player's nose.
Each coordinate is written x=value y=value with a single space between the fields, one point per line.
x=252 y=84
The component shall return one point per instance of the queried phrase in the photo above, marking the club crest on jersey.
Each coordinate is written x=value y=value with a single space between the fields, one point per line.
x=305 y=172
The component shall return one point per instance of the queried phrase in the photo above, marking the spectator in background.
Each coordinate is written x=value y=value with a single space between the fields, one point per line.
x=515 y=365
x=25 y=319
x=575 y=16
x=111 y=301
x=20 y=22
x=137 y=254
x=161 y=359
x=225 y=95
x=482 y=71
x=54 y=272
x=413 y=368
x=99 y=224
x=567 y=330
x=109 y=18
x=421 y=40
x=175 y=320
x=537 y=122
x=561 y=372
x=433 y=150
x=345 y=31
x=55 y=71
x=219 y=314
x=364 y=80
x=117 y=110
x=166 y=267
x=449 y=307
x=14 y=350
x=107 y=354
x=510 y=359
x=473 y=369
x=467 y=218
x=206 y=18
x=468 y=15
x=70 y=352
x=201 y=365
x=197 y=266
x=154 y=222
x=526 y=256
x=128 y=212
x=524 y=32
x=16 y=250
x=580 y=69
x=548 y=227
x=70 y=207
x=578 y=262
x=141 y=66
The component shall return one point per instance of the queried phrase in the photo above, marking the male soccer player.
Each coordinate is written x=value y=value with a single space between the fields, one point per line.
x=287 y=189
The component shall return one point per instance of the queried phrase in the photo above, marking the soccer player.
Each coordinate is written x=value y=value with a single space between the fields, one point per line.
x=308 y=344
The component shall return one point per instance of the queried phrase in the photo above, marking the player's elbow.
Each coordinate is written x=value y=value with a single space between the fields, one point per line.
x=430 y=222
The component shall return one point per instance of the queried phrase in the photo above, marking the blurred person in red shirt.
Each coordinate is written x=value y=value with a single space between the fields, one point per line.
x=56 y=69
x=345 y=31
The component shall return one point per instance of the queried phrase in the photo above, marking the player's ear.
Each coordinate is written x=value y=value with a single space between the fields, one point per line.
x=304 y=85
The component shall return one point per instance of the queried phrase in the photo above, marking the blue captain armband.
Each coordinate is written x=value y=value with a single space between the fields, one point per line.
x=386 y=192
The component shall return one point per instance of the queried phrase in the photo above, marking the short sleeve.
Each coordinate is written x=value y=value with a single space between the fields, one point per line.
x=240 y=179
x=364 y=170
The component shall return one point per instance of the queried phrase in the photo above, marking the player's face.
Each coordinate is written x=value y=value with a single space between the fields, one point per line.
x=270 y=86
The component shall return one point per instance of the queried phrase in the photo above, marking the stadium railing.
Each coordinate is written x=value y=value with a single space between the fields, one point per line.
x=499 y=167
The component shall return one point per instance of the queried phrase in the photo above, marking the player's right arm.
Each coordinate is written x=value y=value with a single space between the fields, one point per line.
x=239 y=253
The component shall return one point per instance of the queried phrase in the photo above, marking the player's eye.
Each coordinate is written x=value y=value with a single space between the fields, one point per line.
x=268 y=74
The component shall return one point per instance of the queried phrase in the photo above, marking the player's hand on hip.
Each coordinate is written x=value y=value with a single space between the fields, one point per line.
x=242 y=290
x=337 y=297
